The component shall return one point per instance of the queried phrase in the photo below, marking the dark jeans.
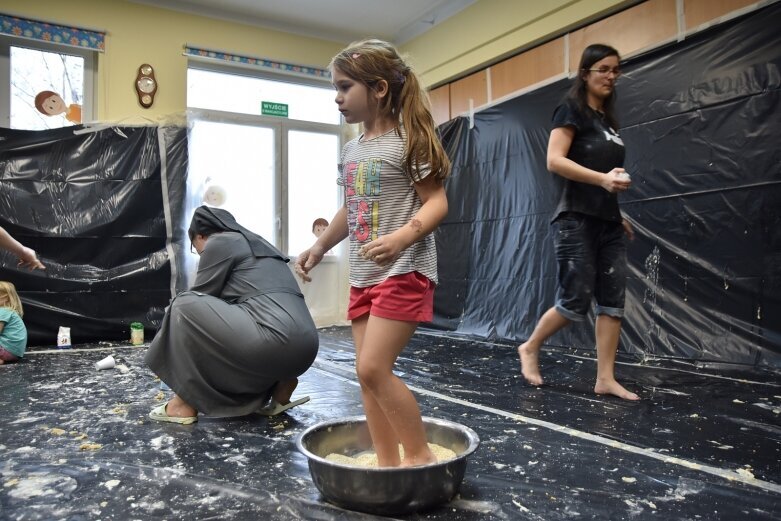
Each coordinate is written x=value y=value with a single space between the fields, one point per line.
x=591 y=254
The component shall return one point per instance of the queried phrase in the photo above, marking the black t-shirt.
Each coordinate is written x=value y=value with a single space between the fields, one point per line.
x=596 y=146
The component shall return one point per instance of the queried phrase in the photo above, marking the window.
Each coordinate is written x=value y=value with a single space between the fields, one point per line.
x=245 y=94
x=44 y=85
x=278 y=173
x=312 y=191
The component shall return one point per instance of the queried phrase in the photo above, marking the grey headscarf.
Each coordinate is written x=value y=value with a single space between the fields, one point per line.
x=207 y=220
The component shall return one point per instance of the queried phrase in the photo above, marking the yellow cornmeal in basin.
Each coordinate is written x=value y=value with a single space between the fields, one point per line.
x=369 y=458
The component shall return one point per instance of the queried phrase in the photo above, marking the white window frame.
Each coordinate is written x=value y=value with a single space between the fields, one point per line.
x=90 y=75
x=281 y=127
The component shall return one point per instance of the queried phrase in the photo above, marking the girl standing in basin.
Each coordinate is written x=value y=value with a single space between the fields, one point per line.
x=393 y=179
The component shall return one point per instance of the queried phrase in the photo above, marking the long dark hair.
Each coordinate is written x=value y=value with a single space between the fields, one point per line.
x=591 y=55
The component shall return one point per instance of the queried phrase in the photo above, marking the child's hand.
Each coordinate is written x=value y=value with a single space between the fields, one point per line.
x=382 y=251
x=28 y=259
x=307 y=260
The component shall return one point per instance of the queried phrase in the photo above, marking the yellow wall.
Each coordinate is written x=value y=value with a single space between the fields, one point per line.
x=492 y=29
x=142 y=34
x=138 y=33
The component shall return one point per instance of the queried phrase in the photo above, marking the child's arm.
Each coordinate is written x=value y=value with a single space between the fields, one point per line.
x=27 y=257
x=335 y=233
x=2 y=326
x=387 y=248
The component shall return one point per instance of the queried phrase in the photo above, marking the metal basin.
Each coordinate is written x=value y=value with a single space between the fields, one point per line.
x=387 y=490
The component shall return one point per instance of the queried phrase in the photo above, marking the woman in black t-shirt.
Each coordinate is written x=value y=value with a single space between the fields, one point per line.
x=585 y=149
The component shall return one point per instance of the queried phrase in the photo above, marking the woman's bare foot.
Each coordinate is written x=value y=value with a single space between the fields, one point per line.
x=530 y=363
x=283 y=390
x=614 y=388
x=178 y=408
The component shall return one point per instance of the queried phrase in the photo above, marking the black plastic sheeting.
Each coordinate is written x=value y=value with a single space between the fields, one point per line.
x=90 y=202
x=76 y=443
x=700 y=120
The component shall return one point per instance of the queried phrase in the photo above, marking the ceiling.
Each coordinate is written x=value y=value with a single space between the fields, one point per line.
x=343 y=21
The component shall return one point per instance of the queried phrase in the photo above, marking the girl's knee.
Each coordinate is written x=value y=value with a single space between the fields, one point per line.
x=370 y=374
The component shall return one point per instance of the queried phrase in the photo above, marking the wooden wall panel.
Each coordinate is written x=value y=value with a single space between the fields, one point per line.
x=527 y=68
x=474 y=86
x=698 y=12
x=638 y=27
x=642 y=26
x=440 y=104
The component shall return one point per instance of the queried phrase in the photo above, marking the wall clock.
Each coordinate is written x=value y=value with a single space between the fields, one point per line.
x=146 y=85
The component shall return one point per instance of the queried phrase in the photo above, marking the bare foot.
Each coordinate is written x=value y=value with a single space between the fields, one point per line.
x=2 y=361
x=283 y=390
x=178 y=408
x=530 y=363
x=419 y=459
x=614 y=388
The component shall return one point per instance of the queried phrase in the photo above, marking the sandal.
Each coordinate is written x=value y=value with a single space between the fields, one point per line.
x=159 y=414
x=274 y=407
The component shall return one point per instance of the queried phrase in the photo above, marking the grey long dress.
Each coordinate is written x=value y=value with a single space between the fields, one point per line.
x=241 y=328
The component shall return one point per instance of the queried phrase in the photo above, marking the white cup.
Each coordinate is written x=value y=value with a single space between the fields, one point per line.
x=106 y=363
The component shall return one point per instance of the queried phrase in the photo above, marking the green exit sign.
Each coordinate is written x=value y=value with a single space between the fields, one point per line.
x=268 y=108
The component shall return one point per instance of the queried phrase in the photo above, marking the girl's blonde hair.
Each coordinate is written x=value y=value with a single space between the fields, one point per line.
x=369 y=62
x=9 y=290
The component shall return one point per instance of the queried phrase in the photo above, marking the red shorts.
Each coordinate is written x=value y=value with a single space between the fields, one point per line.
x=408 y=297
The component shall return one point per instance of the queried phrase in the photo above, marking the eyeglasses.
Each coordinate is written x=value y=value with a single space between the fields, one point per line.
x=604 y=71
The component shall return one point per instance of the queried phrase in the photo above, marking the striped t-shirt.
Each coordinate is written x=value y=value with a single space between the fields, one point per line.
x=381 y=199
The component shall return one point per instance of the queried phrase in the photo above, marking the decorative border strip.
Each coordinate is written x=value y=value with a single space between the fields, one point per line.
x=52 y=33
x=260 y=63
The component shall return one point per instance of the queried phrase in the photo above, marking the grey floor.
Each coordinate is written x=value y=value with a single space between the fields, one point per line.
x=76 y=443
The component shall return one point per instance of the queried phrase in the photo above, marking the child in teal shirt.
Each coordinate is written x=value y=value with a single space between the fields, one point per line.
x=13 y=333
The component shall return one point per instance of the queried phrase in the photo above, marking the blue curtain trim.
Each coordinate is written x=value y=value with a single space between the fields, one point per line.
x=257 y=62
x=52 y=33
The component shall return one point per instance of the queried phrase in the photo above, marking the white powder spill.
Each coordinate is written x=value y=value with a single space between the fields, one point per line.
x=37 y=485
x=48 y=387
x=240 y=460
x=157 y=443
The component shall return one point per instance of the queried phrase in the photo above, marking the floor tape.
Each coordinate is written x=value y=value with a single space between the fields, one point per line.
x=80 y=350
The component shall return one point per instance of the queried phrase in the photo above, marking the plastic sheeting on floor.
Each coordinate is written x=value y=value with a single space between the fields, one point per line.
x=102 y=207
x=76 y=443
x=700 y=120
